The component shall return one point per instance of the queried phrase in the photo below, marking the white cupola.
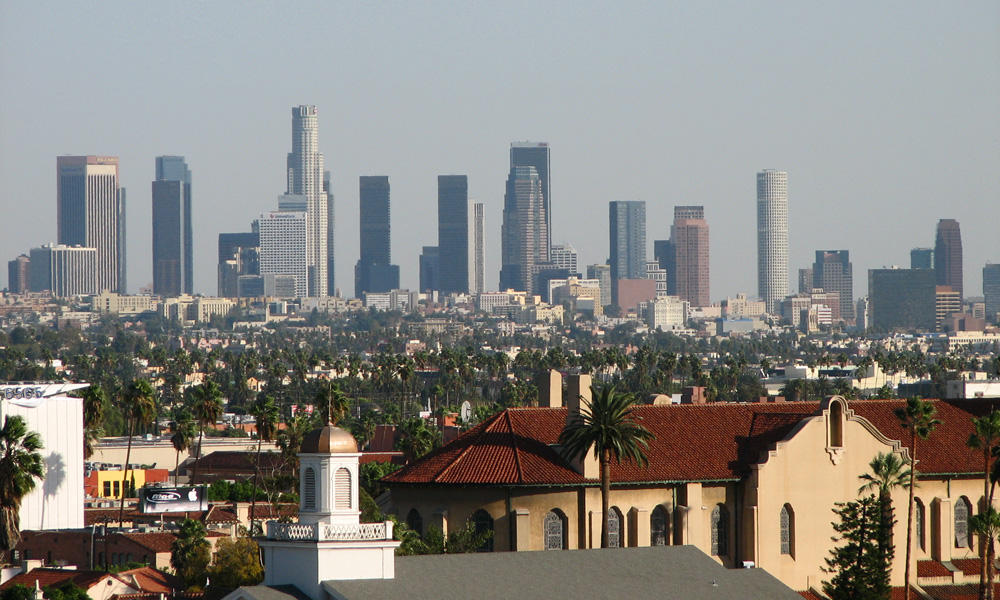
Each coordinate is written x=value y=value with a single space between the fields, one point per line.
x=328 y=477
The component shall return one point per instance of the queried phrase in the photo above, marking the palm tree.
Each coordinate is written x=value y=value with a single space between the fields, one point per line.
x=917 y=417
x=332 y=402
x=93 y=417
x=987 y=526
x=138 y=407
x=207 y=410
x=265 y=413
x=183 y=430
x=20 y=465
x=986 y=437
x=607 y=425
x=888 y=472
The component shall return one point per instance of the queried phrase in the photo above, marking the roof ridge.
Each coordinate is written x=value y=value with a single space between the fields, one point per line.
x=517 y=456
x=486 y=426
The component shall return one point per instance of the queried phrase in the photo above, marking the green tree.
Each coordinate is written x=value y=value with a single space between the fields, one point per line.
x=332 y=402
x=917 y=418
x=93 y=417
x=20 y=466
x=182 y=430
x=138 y=407
x=606 y=425
x=860 y=569
x=237 y=563
x=416 y=439
x=985 y=437
x=207 y=410
x=265 y=413
x=18 y=592
x=888 y=472
x=190 y=554
x=66 y=591
x=987 y=526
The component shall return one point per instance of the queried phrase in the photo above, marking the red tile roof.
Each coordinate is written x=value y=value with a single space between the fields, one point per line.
x=811 y=595
x=150 y=580
x=968 y=591
x=219 y=514
x=691 y=443
x=968 y=566
x=237 y=460
x=46 y=577
x=932 y=568
x=153 y=541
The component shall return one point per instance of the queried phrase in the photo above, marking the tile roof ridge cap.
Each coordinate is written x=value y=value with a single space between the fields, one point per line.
x=486 y=426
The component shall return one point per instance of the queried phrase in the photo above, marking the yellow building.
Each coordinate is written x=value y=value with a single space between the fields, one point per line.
x=749 y=484
x=108 y=484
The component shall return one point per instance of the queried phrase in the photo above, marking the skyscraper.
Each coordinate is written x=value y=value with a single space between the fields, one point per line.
x=902 y=299
x=453 y=234
x=283 y=247
x=688 y=268
x=331 y=285
x=627 y=220
x=478 y=248
x=536 y=154
x=991 y=291
x=564 y=256
x=922 y=258
x=18 y=274
x=948 y=255
x=833 y=272
x=63 y=270
x=602 y=273
x=306 y=178
x=524 y=233
x=90 y=212
x=430 y=264
x=772 y=238
x=374 y=271
x=173 y=257
x=239 y=256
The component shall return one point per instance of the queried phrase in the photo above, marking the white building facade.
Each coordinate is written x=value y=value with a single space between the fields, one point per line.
x=772 y=238
x=283 y=247
x=305 y=177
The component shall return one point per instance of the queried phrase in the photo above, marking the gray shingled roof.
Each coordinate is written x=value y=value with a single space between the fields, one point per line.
x=682 y=573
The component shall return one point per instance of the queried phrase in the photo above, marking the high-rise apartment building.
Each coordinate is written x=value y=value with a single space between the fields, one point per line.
x=772 y=238
x=173 y=256
x=63 y=270
x=331 y=285
x=374 y=271
x=602 y=273
x=948 y=255
x=478 y=248
x=833 y=272
x=564 y=256
x=904 y=299
x=18 y=274
x=90 y=212
x=922 y=258
x=947 y=302
x=306 y=178
x=283 y=247
x=627 y=221
x=525 y=238
x=991 y=291
x=453 y=234
x=687 y=259
x=536 y=154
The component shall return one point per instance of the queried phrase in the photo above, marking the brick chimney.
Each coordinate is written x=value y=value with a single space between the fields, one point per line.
x=693 y=395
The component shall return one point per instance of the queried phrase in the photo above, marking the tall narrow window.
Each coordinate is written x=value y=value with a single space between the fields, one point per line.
x=720 y=530
x=342 y=489
x=309 y=489
x=658 y=531
x=787 y=518
x=918 y=518
x=482 y=523
x=615 y=537
x=836 y=424
x=414 y=521
x=963 y=537
x=555 y=530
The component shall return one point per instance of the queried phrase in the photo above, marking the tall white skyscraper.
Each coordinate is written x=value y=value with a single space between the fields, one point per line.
x=283 y=247
x=772 y=238
x=478 y=254
x=305 y=178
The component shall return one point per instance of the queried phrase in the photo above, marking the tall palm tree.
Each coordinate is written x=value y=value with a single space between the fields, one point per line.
x=183 y=431
x=888 y=472
x=607 y=425
x=207 y=410
x=265 y=413
x=93 y=417
x=138 y=407
x=987 y=526
x=20 y=465
x=986 y=438
x=332 y=402
x=917 y=418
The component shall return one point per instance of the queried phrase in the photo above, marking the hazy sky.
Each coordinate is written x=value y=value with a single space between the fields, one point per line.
x=885 y=115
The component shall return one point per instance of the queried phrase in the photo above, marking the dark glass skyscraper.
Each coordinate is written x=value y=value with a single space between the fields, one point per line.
x=173 y=256
x=991 y=291
x=374 y=271
x=902 y=299
x=627 y=220
x=525 y=239
x=922 y=258
x=453 y=234
x=948 y=255
x=536 y=154
x=833 y=272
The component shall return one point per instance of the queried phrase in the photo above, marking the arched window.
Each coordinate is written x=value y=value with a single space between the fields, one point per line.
x=309 y=489
x=414 y=521
x=918 y=518
x=658 y=531
x=787 y=519
x=342 y=489
x=555 y=530
x=836 y=424
x=483 y=522
x=720 y=531
x=615 y=528
x=963 y=536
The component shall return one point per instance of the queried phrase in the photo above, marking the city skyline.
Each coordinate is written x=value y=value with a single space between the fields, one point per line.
x=808 y=112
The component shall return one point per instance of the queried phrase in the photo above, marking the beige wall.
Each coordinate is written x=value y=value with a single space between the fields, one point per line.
x=161 y=453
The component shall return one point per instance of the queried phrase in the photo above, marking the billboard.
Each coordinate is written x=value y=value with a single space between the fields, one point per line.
x=163 y=499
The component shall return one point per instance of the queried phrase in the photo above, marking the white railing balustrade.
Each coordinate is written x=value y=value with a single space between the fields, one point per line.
x=322 y=532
